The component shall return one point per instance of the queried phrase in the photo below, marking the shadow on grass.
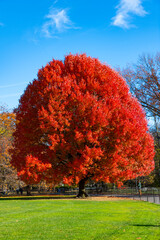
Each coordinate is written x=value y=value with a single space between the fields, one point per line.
x=37 y=197
x=146 y=225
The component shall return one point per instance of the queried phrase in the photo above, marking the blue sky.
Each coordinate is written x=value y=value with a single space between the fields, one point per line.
x=33 y=32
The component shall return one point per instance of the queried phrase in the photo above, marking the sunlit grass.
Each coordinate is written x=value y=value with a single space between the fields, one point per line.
x=78 y=220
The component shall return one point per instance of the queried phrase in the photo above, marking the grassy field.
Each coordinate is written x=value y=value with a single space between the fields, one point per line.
x=78 y=220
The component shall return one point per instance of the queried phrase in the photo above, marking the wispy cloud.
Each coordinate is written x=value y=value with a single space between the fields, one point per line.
x=125 y=10
x=13 y=85
x=57 y=22
x=1 y=24
x=11 y=95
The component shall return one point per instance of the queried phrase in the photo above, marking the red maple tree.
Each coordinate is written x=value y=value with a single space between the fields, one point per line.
x=78 y=121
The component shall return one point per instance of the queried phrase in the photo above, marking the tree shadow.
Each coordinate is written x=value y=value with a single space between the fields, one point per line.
x=146 y=225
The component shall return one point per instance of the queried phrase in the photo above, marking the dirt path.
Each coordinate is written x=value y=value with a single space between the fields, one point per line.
x=104 y=198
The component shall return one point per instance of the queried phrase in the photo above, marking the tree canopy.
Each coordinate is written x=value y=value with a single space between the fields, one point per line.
x=77 y=121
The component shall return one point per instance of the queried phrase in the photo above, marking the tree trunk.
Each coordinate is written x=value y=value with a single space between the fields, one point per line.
x=28 y=189
x=82 y=193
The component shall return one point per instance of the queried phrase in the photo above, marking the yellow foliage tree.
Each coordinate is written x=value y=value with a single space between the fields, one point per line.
x=8 y=176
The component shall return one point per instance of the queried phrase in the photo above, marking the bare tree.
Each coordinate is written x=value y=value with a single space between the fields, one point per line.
x=144 y=81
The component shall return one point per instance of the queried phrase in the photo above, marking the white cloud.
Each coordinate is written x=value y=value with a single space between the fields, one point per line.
x=57 y=22
x=11 y=95
x=13 y=85
x=125 y=10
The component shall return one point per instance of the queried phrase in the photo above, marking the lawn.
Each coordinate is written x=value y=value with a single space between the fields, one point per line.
x=45 y=219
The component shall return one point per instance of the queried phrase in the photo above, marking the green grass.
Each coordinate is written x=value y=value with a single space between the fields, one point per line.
x=78 y=220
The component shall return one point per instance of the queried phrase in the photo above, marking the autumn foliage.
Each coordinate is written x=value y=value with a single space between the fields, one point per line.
x=7 y=125
x=77 y=121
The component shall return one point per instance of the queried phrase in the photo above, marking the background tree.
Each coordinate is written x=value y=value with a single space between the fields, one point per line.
x=78 y=121
x=144 y=81
x=8 y=176
x=155 y=133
